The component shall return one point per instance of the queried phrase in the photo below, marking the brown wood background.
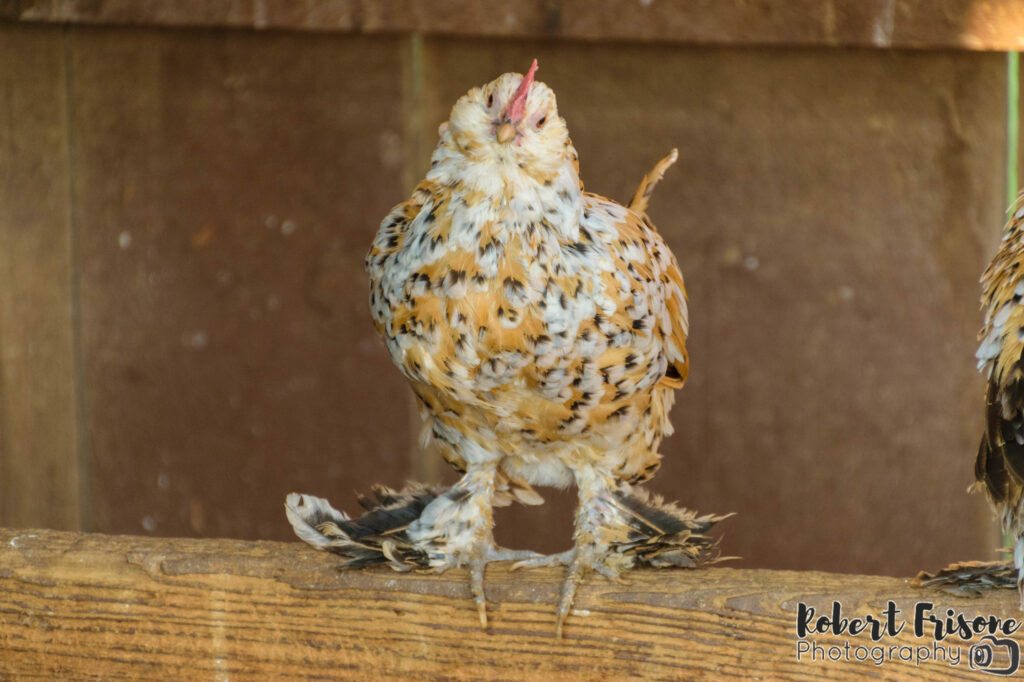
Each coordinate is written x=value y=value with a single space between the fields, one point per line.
x=184 y=333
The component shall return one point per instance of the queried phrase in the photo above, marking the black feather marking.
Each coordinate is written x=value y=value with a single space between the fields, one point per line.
x=649 y=518
x=1011 y=394
x=1000 y=459
x=989 y=468
x=457 y=494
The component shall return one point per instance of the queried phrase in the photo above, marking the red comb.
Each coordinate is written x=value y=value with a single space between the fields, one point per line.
x=517 y=105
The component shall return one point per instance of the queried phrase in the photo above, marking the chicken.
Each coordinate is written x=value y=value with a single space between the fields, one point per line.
x=999 y=466
x=543 y=330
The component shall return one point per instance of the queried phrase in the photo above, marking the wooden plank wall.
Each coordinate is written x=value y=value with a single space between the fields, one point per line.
x=183 y=324
x=957 y=24
x=39 y=419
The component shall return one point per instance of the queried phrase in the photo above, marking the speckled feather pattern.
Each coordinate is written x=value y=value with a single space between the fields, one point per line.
x=536 y=323
x=543 y=330
x=999 y=467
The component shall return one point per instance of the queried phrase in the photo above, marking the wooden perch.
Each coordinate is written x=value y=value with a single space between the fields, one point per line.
x=84 y=605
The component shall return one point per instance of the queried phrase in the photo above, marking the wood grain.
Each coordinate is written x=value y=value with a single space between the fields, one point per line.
x=84 y=606
x=38 y=411
x=225 y=204
x=961 y=24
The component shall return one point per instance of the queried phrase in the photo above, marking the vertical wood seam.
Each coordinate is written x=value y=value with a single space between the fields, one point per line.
x=423 y=462
x=1012 y=125
x=82 y=451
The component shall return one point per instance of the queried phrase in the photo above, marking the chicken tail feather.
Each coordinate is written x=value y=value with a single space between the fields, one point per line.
x=643 y=193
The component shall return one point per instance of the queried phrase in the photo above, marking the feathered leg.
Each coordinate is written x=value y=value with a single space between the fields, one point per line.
x=458 y=530
x=973 y=578
x=377 y=537
x=619 y=527
x=592 y=539
x=418 y=527
x=976 y=577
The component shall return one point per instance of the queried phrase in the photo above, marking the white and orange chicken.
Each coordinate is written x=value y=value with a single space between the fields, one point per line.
x=543 y=330
x=999 y=464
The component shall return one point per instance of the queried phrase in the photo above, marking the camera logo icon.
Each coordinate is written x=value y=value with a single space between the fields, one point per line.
x=982 y=655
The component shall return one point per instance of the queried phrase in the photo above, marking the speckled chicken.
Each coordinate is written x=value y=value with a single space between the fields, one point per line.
x=543 y=330
x=999 y=466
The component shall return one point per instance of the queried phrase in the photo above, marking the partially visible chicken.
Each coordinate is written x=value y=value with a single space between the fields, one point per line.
x=999 y=466
x=543 y=330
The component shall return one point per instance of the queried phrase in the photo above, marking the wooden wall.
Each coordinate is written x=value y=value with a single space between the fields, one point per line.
x=184 y=333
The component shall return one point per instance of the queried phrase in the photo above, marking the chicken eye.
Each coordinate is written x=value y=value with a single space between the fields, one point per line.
x=540 y=123
x=490 y=100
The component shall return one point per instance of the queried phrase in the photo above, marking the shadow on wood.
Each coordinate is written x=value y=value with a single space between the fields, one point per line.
x=82 y=605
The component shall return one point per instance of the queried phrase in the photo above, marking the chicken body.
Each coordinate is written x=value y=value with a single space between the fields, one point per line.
x=537 y=330
x=543 y=330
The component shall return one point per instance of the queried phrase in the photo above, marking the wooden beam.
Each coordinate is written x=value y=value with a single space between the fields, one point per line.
x=79 y=605
x=39 y=410
x=959 y=24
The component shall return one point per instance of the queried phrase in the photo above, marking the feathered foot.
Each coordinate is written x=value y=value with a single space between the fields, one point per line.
x=971 y=578
x=379 y=536
x=661 y=534
x=417 y=527
x=620 y=528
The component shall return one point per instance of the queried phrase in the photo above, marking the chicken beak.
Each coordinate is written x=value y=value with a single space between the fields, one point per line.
x=516 y=107
x=506 y=131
